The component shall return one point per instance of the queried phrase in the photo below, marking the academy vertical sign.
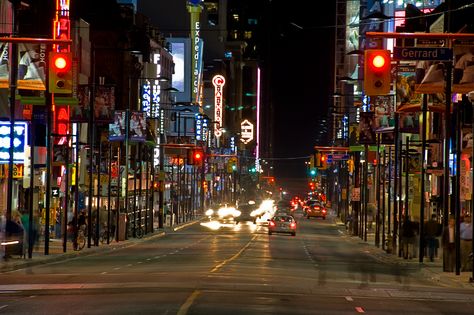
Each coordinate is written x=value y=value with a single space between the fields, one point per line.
x=218 y=81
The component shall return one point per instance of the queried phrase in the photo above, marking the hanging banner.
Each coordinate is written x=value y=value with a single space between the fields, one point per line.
x=117 y=128
x=137 y=131
x=32 y=67
x=384 y=112
x=4 y=74
x=366 y=129
x=104 y=103
x=463 y=72
x=80 y=113
x=405 y=88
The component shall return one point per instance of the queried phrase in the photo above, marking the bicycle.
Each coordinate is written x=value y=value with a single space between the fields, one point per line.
x=80 y=241
x=106 y=234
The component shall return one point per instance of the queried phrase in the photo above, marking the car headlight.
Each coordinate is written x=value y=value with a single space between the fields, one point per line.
x=209 y=212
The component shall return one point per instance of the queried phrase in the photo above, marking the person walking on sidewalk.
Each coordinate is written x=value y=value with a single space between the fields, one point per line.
x=449 y=246
x=465 y=230
x=432 y=231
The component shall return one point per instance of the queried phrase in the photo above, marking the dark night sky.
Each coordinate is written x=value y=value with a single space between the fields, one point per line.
x=302 y=42
x=302 y=82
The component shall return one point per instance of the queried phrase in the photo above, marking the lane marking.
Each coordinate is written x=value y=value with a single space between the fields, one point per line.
x=348 y=298
x=359 y=309
x=183 y=310
x=3 y=306
x=219 y=266
x=103 y=273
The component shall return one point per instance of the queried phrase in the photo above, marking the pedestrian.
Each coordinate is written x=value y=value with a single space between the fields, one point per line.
x=408 y=239
x=465 y=230
x=449 y=246
x=432 y=231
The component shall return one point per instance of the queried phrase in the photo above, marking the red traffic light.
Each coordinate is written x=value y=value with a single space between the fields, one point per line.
x=197 y=155
x=377 y=72
x=61 y=62
x=378 y=61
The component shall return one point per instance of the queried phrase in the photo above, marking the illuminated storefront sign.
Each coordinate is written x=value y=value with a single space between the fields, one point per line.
x=61 y=124
x=246 y=133
x=19 y=142
x=199 y=130
x=218 y=81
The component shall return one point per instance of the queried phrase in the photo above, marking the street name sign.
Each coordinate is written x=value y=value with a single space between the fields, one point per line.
x=422 y=53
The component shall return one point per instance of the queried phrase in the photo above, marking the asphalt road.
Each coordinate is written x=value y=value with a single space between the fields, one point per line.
x=231 y=271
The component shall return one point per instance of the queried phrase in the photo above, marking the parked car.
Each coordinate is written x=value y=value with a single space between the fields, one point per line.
x=316 y=210
x=282 y=224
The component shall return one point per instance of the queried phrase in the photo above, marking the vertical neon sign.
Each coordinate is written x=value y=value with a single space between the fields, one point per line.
x=218 y=81
x=257 y=139
x=194 y=10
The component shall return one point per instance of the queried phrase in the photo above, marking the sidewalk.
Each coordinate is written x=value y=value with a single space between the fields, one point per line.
x=56 y=249
x=431 y=270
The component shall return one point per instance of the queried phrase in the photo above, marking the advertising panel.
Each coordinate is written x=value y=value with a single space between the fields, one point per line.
x=137 y=130
x=117 y=128
x=32 y=67
x=104 y=103
x=4 y=74
x=181 y=80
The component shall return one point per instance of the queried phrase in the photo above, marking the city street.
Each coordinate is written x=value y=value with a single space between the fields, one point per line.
x=232 y=271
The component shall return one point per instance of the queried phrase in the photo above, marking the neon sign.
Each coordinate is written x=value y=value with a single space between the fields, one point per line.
x=218 y=81
x=20 y=132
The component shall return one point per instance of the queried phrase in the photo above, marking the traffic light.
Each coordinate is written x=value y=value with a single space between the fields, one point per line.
x=313 y=172
x=317 y=159
x=198 y=157
x=60 y=72
x=195 y=156
x=377 y=76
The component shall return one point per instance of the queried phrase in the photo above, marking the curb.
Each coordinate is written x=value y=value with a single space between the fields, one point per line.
x=7 y=266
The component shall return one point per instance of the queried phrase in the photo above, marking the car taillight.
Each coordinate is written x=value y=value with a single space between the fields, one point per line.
x=317 y=208
x=271 y=223
x=293 y=225
x=324 y=210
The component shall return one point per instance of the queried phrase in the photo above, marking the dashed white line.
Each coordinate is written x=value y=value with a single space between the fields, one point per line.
x=103 y=273
x=3 y=306
x=348 y=298
x=116 y=268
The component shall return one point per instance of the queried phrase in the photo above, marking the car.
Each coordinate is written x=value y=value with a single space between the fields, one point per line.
x=316 y=210
x=282 y=224
x=247 y=213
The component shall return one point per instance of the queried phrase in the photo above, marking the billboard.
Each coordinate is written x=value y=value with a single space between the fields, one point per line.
x=181 y=80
